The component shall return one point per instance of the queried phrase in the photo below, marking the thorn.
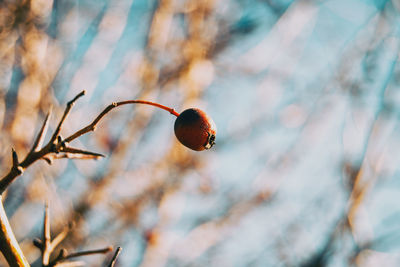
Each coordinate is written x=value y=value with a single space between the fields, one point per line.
x=37 y=145
x=63 y=253
x=38 y=243
x=49 y=160
x=20 y=170
x=72 y=102
x=15 y=158
x=82 y=152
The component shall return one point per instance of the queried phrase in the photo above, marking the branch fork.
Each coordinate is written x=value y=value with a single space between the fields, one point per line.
x=47 y=246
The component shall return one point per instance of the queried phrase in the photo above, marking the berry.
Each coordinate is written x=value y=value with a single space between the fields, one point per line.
x=195 y=129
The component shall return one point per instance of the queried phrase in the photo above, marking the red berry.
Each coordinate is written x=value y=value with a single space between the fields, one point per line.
x=195 y=129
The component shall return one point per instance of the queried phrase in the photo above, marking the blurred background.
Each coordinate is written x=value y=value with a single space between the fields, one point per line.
x=305 y=96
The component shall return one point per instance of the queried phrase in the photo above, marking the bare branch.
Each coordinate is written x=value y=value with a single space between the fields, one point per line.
x=56 y=144
x=47 y=246
x=80 y=151
x=60 y=237
x=70 y=264
x=46 y=251
x=63 y=255
x=114 y=258
x=15 y=158
x=37 y=145
x=74 y=156
x=8 y=243
x=49 y=152
x=36 y=154
x=88 y=252
x=16 y=170
x=66 y=112
x=46 y=224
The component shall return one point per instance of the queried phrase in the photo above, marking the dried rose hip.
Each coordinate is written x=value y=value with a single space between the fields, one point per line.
x=195 y=129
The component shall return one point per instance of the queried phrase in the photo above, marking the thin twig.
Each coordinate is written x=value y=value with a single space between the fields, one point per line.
x=88 y=252
x=46 y=251
x=74 y=156
x=8 y=243
x=66 y=112
x=37 y=145
x=80 y=151
x=14 y=158
x=63 y=255
x=114 y=258
x=60 y=237
x=70 y=264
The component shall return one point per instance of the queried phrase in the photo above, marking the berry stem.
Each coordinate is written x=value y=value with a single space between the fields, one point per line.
x=92 y=126
x=170 y=110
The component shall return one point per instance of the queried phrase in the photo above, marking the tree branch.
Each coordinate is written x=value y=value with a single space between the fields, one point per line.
x=8 y=243
x=114 y=258
x=66 y=112
x=14 y=158
x=46 y=241
x=56 y=144
x=63 y=255
x=87 y=252
x=72 y=150
x=37 y=145
x=61 y=236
